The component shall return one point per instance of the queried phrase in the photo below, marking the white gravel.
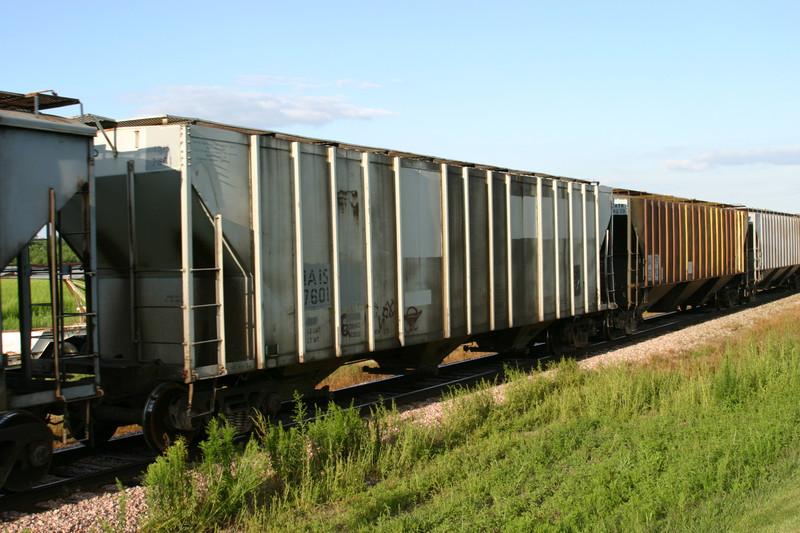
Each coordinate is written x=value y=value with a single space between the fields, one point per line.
x=85 y=512
x=694 y=337
x=81 y=512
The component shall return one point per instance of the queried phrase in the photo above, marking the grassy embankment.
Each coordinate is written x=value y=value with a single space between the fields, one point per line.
x=40 y=293
x=710 y=442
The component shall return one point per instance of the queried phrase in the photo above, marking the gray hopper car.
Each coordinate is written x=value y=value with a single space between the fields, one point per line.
x=226 y=252
x=773 y=249
x=44 y=171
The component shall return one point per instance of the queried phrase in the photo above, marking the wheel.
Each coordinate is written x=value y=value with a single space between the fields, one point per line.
x=266 y=406
x=632 y=321
x=27 y=450
x=723 y=302
x=611 y=333
x=164 y=408
x=67 y=349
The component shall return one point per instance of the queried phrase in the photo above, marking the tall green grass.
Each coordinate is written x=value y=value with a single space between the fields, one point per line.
x=685 y=445
x=40 y=293
x=224 y=483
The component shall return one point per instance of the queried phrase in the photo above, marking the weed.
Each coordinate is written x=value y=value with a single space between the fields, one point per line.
x=225 y=483
x=121 y=519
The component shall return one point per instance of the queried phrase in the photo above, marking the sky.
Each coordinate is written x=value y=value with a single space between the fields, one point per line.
x=696 y=99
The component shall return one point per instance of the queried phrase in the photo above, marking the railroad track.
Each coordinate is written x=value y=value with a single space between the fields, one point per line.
x=80 y=468
x=125 y=458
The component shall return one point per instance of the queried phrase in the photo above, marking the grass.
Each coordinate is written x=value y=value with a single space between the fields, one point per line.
x=40 y=293
x=775 y=509
x=707 y=443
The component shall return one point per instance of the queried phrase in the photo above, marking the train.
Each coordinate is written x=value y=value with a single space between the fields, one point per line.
x=227 y=267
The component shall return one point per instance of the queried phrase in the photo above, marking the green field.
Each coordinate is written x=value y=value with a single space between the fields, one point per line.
x=40 y=293
x=710 y=442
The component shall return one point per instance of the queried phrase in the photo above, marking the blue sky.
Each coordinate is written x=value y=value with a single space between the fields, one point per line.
x=696 y=99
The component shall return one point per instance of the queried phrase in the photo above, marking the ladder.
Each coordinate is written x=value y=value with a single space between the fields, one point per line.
x=59 y=276
x=187 y=275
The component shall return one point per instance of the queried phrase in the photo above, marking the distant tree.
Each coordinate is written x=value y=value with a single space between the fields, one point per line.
x=37 y=250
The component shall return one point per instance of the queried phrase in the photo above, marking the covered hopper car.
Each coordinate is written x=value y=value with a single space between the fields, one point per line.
x=773 y=250
x=44 y=172
x=671 y=253
x=228 y=267
x=235 y=266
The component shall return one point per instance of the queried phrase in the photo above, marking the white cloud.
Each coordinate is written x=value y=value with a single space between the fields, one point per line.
x=302 y=84
x=684 y=164
x=770 y=156
x=357 y=84
x=667 y=151
x=261 y=80
x=260 y=109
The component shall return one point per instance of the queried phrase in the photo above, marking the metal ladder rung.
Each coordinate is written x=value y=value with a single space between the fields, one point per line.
x=200 y=306
x=81 y=398
x=73 y=357
x=73 y=315
x=209 y=341
x=209 y=269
